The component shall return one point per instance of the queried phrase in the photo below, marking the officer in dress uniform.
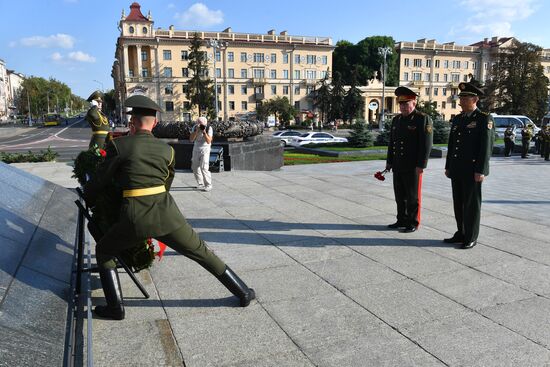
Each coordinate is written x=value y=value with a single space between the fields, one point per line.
x=410 y=144
x=143 y=167
x=469 y=150
x=526 y=136
x=97 y=120
x=509 y=140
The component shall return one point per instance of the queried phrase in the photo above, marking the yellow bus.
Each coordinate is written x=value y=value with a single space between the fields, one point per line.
x=52 y=119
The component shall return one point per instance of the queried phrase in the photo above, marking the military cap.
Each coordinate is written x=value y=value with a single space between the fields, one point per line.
x=405 y=94
x=142 y=105
x=469 y=90
x=95 y=96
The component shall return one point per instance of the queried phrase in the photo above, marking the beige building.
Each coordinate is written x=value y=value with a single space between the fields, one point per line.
x=248 y=68
x=434 y=70
x=4 y=101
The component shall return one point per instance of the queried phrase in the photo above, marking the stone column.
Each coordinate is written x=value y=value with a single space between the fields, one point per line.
x=126 y=62
x=139 y=67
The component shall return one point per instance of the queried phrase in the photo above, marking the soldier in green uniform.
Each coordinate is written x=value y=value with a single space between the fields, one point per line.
x=469 y=150
x=546 y=142
x=509 y=140
x=526 y=136
x=143 y=167
x=410 y=144
x=97 y=120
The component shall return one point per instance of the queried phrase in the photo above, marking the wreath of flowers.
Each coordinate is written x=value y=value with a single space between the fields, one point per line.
x=107 y=207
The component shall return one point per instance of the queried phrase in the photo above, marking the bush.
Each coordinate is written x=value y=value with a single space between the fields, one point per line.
x=441 y=132
x=360 y=135
x=383 y=139
x=43 y=156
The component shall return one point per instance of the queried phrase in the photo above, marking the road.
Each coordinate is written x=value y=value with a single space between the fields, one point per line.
x=67 y=140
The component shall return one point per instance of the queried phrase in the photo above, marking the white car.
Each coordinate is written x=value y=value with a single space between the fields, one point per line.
x=519 y=121
x=286 y=136
x=316 y=138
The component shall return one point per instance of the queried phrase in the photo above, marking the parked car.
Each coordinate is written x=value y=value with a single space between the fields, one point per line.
x=545 y=120
x=316 y=138
x=286 y=136
x=520 y=121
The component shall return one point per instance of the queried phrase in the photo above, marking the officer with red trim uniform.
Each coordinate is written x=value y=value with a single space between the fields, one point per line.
x=143 y=167
x=409 y=148
x=97 y=120
x=469 y=150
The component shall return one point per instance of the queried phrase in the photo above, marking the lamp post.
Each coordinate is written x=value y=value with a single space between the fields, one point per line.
x=216 y=45
x=384 y=52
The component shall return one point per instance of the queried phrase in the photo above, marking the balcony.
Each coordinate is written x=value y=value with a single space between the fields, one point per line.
x=139 y=79
x=259 y=96
x=258 y=81
x=417 y=83
x=311 y=82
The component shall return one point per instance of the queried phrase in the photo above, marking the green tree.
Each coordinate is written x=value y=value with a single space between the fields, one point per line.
x=429 y=108
x=360 y=135
x=321 y=100
x=109 y=102
x=280 y=107
x=337 y=94
x=354 y=103
x=43 y=96
x=200 y=91
x=517 y=84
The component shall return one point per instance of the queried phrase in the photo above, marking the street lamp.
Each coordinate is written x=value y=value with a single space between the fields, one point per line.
x=100 y=83
x=216 y=45
x=384 y=52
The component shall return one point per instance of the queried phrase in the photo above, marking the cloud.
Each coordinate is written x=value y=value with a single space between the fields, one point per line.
x=496 y=17
x=198 y=15
x=76 y=56
x=57 y=57
x=55 y=40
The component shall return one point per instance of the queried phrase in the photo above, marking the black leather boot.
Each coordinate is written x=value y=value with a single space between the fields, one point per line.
x=236 y=286
x=113 y=295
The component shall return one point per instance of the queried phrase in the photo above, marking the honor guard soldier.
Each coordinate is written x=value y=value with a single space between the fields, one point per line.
x=410 y=144
x=526 y=136
x=143 y=167
x=97 y=120
x=509 y=140
x=545 y=149
x=469 y=150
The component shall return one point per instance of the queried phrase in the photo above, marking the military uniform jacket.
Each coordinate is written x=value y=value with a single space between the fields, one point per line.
x=410 y=144
x=97 y=119
x=470 y=144
x=136 y=162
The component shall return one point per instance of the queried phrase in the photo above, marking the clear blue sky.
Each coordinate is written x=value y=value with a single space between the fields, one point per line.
x=74 y=40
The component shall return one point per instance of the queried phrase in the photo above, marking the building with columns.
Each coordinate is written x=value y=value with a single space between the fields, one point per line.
x=4 y=102
x=249 y=68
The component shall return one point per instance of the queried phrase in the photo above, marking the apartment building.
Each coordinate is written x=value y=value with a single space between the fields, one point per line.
x=434 y=70
x=4 y=102
x=248 y=68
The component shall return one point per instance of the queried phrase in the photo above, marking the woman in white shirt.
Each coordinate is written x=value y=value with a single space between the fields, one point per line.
x=201 y=136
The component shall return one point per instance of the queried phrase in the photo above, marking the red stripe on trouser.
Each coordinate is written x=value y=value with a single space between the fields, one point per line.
x=419 y=198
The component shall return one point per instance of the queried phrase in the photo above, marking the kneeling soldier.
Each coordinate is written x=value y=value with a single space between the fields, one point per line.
x=144 y=167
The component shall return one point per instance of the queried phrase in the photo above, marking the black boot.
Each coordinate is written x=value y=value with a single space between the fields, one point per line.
x=236 y=286
x=113 y=295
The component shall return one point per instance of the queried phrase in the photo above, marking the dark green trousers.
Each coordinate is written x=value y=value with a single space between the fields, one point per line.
x=406 y=190
x=508 y=147
x=183 y=240
x=524 y=147
x=467 y=206
x=546 y=149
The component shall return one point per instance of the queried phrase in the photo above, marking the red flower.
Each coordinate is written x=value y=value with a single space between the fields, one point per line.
x=102 y=152
x=380 y=175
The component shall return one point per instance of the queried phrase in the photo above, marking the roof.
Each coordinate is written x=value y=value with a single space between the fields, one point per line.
x=493 y=42
x=135 y=14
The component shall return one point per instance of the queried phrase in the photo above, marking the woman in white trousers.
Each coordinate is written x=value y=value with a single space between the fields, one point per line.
x=201 y=136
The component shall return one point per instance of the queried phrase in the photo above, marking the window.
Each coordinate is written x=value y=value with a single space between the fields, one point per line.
x=145 y=72
x=258 y=57
x=185 y=72
x=436 y=77
x=427 y=77
x=143 y=55
x=465 y=78
x=485 y=65
x=427 y=91
x=406 y=62
x=244 y=89
x=285 y=74
x=144 y=30
x=185 y=55
x=296 y=74
x=443 y=105
x=168 y=89
x=218 y=56
x=405 y=76
x=297 y=105
x=322 y=74
x=444 y=91
x=167 y=55
x=296 y=89
x=296 y=59
x=429 y=63
x=187 y=105
x=167 y=72
x=231 y=105
x=219 y=105
x=218 y=73
x=446 y=64
x=273 y=58
x=324 y=60
x=243 y=56
x=311 y=59
x=437 y=63
x=311 y=74
x=185 y=88
x=445 y=78
x=230 y=89
x=230 y=56
x=285 y=58
x=130 y=73
x=474 y=65
x=274 y=89
x=418 y=63
x=258 y=73
x=273 y=74
x=453 y=104
x=169 y=106
x=455 y=77
x=131 y=30
x=465 y=65
x=244 y=73
x=285 y=89
x=417 y=76
x=309 y=89
x=436 y=91
x=244 y=106
x=230 y=73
